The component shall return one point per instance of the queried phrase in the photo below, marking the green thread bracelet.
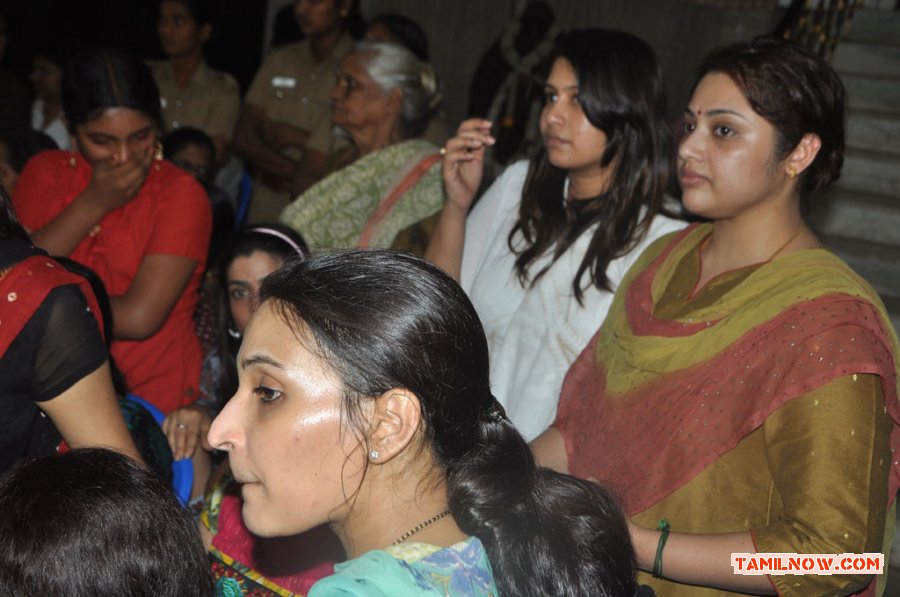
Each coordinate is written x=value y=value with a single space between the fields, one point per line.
x=663 y=537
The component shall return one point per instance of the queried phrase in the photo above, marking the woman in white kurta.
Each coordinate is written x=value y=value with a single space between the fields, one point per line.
x=543 y=249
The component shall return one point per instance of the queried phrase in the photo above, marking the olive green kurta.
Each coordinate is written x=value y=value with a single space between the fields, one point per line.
x=804 y=482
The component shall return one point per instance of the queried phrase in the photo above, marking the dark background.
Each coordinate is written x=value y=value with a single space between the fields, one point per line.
x=75 y=24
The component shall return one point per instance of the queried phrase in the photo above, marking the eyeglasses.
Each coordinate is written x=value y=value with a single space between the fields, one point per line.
x=197 y=171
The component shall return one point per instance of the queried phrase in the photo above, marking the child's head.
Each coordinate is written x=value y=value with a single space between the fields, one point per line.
x=93 y=522
x=191 y=150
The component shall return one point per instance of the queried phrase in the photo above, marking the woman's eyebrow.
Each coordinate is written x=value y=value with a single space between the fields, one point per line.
x=142 y=131
x=715 y=112
x=260 y=359
x=568 y=88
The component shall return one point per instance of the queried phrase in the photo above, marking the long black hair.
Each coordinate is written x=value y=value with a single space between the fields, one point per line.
x=387 y=320
x=621 y=91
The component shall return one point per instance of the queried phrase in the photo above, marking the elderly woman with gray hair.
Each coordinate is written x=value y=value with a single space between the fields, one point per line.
x=390 y=194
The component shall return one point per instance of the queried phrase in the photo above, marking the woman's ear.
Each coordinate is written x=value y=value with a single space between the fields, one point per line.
x=396 y=418
x=802 y=155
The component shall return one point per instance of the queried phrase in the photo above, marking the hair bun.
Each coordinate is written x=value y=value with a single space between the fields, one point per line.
x=430 y=84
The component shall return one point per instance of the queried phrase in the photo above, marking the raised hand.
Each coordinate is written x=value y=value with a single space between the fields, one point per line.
x=464 y=161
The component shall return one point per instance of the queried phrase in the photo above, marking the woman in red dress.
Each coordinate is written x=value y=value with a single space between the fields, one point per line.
x=141 y=223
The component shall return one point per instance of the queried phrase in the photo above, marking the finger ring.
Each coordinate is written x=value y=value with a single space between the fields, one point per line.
x=181 y=426
x=443 y=151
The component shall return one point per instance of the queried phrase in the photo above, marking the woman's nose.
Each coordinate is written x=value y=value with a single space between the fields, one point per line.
x=555 y=113
x=690 y=146
x=339 y=91
x=224 y=433
x=120 y=154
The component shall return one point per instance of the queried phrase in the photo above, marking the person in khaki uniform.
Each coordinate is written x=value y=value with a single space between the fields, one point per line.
x=191 y=93
x=289 y=97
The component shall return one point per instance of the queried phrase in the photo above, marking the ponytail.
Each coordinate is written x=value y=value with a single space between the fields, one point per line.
x=545 y=533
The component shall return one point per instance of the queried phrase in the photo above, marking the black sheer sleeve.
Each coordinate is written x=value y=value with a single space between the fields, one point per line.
x=70 y=346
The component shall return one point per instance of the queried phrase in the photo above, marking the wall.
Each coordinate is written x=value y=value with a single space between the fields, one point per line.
x=681 y=32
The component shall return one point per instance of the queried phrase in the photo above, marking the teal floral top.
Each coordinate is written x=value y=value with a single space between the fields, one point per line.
x=414 y=569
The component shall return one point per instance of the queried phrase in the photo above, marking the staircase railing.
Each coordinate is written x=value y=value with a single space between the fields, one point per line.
x=817 y=24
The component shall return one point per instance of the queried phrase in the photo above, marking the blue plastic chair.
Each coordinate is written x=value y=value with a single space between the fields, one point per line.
x=182 y=470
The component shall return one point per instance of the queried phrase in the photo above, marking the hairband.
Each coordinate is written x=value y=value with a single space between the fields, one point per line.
x=280 y=235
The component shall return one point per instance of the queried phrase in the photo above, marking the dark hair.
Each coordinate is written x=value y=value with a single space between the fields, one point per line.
x=387 y=320
x=93 y=522
x=797 y=92
x=406 y=32
x=9 y=224
x=105 y=78
x=182 y=137
x=201 y=10
x=621 y=90
x=22 y=144
x=275 y=239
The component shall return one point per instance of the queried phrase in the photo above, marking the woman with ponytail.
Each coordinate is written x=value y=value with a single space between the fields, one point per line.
x=364 y=403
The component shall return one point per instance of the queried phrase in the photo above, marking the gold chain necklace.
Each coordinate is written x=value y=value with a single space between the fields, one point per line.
x=787 y=242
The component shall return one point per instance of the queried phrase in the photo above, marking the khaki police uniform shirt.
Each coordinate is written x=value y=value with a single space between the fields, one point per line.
x=291 y=87
x=211 y=101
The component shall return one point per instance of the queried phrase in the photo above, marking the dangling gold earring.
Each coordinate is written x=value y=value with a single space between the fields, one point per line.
x=72 y=162
x=792 y=173
x=158 y=156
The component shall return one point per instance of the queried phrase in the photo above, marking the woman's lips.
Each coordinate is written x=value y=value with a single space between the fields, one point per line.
x=554 y=141
x=689 y=178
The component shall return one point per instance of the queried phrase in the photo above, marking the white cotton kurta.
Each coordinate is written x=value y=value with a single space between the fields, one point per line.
x=535 y=333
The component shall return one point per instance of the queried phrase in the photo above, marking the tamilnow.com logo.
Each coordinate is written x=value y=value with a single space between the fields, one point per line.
x=807 y=563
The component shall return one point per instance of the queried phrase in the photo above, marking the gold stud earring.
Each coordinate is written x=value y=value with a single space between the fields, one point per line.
x=158 y=156
x=792 y=173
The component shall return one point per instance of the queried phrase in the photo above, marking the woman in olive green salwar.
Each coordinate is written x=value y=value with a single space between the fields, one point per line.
x=744 y=384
